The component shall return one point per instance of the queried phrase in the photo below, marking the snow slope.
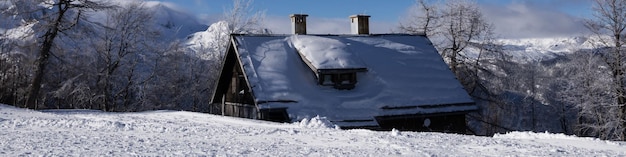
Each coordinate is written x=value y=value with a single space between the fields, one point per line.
x=177 y=133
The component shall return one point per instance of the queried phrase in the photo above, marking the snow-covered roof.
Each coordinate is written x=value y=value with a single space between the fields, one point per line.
x=326 y=53
x=405 y=75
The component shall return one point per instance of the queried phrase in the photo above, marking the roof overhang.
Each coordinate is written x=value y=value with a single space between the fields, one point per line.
x=340 y=71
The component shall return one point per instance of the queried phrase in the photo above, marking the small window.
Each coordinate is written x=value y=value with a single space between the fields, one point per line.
x=327 y=79
x=241 y=84
x=233 y=84
x=338 y=80
x=346 y=79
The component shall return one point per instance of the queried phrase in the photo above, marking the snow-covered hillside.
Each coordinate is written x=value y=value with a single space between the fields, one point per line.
x=171 y=21
x=174 y=22
x=177 y=133
x=201 y=44
x=525 y=50
x=540 y=49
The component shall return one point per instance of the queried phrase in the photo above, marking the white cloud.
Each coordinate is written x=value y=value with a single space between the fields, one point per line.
x=208 y=19
x=524 y=20
x=531 y=19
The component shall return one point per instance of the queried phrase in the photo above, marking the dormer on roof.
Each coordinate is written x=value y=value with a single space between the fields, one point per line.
x=330 y=59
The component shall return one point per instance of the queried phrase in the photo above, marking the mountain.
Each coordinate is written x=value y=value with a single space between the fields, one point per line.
x=206 y=43
x=174 y=21
x=527 y=50
x=540 y=49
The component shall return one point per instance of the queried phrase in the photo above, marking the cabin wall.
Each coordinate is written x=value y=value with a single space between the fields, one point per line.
x=275 y=115
x=238 y=90
x=240 y=110
x=238 y=101
x=233 y=96
x=225 y=76
x=452 y=123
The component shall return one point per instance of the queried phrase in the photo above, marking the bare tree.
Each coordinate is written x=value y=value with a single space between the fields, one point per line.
x=609 y=26
x=455 y=26
x=242 y=18
x=127 y=39
x=452 y=26
x=586 y=84
x=462 y=23
x=14 y=68
x=59 y=16
x=424 y=19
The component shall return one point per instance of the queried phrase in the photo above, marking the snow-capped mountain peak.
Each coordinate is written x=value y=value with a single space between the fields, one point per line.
x=173 y=20
x=526 y=50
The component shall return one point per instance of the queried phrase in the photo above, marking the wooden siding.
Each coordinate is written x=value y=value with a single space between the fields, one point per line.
x=232 y=96
x=442 y=122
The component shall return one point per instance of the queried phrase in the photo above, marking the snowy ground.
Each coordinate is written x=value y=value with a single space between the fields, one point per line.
x=175 y=133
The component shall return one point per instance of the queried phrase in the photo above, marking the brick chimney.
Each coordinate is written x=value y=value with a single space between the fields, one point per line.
x=298 y=23
x=360 y=24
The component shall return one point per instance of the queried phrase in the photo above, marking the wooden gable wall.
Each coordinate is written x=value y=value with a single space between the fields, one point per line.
x=232 y=95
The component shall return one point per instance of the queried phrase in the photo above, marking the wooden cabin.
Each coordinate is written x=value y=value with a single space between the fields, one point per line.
x=359 y=80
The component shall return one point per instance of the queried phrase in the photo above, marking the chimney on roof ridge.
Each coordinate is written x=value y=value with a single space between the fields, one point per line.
x=360 y=24
x=298 y=23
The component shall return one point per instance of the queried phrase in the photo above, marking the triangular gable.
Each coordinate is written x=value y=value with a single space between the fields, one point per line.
x=228 y=63
x=231 y=62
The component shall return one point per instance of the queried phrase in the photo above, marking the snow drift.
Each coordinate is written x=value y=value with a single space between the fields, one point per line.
x=177 y=133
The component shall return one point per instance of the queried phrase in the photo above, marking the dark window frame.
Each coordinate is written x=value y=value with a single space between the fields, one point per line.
x=339 y=80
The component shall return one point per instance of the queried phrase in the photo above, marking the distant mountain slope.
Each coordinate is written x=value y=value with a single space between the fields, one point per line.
x=173 y=21
x=527 y=50
x=538 y=49
x=210 y=43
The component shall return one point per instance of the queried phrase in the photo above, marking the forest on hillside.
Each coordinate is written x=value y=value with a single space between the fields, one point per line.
x=124 y=56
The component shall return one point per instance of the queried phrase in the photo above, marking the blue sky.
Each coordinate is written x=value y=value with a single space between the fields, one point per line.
x=512 y=18
x=385 y=10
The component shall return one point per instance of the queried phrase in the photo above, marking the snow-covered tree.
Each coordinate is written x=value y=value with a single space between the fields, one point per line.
x=51 y=18
x=242 y=18
x=15 y=62
x=609 y=27
x=455 y=26
x=586 y=84
x=424 y=19
x=125 y=51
